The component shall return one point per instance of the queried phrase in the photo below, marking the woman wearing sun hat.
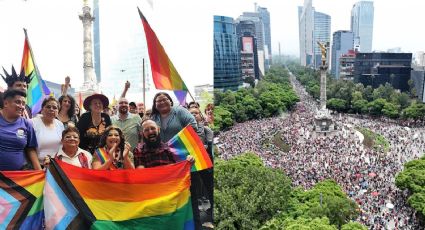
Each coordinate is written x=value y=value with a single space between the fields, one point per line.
x=94 y=122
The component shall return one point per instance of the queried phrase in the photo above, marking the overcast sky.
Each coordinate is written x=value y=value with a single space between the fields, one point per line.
x=56 y=36
x=185 y=28
x=396 y=24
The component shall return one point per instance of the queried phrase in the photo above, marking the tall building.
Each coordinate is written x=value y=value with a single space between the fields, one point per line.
x=362 y=25
x=96 y=40
x=227 y=62
x=418 y=78
x=346 y=65
x=376 y=69
x=245 y=31
x=306 y=27
x=322 y=33
x=265 y=18
x=260 y=38
x=342 y=42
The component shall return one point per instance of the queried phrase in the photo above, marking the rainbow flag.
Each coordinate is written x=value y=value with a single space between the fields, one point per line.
x=103 y=156
x=187 y=142
x=164 y=74
x=37 y=89
x=151 y=198
x=21 y=199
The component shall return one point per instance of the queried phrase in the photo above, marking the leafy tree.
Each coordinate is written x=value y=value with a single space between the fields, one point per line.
x=415 y=111
x=356 y=95
x=222 y=118
x=360 y=106
x=390 y=110
x=252 y=107
x=412 y=178
x=270 y=102
x=368 y=93
x=353 y=226
x=299 y=224
x=375 y=107
x=241 y=201
x=337 y=104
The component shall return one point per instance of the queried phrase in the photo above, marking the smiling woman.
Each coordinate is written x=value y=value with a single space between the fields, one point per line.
x=113 y=152
x=48 y=129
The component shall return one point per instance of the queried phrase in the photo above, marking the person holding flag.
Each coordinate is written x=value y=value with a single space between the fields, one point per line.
x=17 y=82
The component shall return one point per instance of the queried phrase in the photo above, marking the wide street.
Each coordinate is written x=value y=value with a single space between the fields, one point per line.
x=366 y=175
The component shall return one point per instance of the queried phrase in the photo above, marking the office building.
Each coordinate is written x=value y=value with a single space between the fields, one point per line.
x=227 y=61
x=342 y=42
x=362 y=15
x=321 y=33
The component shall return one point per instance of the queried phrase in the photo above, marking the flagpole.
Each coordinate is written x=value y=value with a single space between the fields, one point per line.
x=144 y=84
x=27 y=40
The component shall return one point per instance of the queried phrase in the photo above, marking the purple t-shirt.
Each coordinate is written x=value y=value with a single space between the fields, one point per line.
x=14 y=138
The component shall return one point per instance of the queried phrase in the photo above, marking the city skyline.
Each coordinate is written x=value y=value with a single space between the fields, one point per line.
x=393 y=24
x=56 y=36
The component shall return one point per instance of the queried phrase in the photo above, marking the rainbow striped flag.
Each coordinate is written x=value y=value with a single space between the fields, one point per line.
x=164 y=74
x=37 y=89
x=21 y=199
x=103 y=156
x=151 y=198
x=187 y=142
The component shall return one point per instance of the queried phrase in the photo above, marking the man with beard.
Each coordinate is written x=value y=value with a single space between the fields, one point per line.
x=152 y=152
x=129 y=123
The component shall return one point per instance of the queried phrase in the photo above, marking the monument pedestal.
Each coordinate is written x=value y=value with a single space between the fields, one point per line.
x=323 y=121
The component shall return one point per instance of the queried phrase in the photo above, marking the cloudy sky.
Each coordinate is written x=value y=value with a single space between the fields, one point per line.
x=56 y=35
x=185 y=28
x=397 y=23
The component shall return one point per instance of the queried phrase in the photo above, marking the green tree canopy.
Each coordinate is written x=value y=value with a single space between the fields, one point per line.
x=241 y=202
x=413 y=179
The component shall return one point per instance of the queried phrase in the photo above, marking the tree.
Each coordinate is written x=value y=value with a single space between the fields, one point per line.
x=415 y=111
x=299 y=224
x=375 y=107
x=360 y=106
x=337 y=104
x=390 y=110
x=412 y=178
x=222 y=118
x=353 y=226
x=241 y=202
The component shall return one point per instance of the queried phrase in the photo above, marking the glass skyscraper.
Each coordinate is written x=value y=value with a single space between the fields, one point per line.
x=227 y=61
x=265 y=18
x=321 y=33
x=342 y=42
x=362 y=25
x=306 y=27
x=96 y=40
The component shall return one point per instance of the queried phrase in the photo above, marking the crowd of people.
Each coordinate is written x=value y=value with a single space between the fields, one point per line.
x=98 y=139
x=365 y=174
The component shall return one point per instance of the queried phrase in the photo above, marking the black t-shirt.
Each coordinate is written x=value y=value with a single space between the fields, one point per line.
x=90 y=134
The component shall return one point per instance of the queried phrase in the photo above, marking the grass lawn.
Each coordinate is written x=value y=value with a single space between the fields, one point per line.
x=374 y=140
x=278 y=142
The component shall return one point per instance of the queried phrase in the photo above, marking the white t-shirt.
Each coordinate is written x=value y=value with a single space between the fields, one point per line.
x=48 y=139
x=75 y=160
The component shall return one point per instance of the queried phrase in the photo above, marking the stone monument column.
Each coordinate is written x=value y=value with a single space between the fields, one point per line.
x=90 y=83
x=323 y=119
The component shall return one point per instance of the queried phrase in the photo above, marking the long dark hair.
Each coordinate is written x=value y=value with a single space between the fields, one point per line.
x=71 y=109
x=154 y=110
x=102 y=141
